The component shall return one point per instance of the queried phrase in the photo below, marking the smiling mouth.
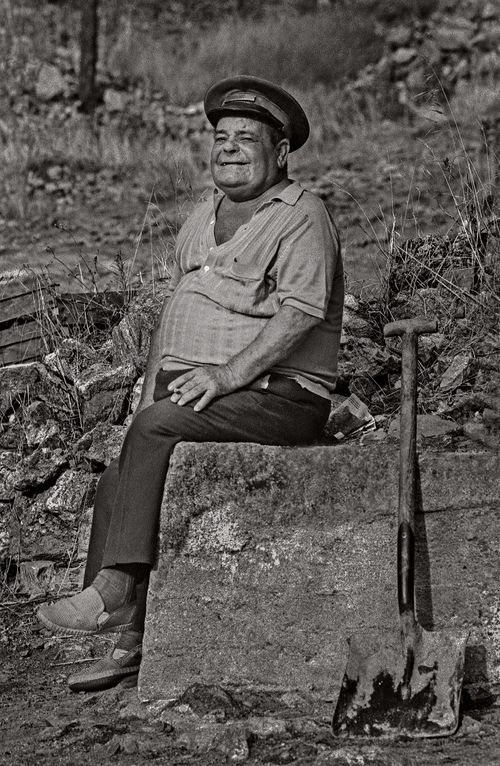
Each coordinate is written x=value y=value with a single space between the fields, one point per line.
x=232 y=163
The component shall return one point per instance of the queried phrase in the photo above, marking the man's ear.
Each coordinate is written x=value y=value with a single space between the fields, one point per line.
x=282 y=152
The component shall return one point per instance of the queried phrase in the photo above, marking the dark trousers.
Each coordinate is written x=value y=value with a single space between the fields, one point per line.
x=130 y=491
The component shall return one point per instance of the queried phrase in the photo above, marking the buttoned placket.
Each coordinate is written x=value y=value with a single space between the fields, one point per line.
x=213 y=247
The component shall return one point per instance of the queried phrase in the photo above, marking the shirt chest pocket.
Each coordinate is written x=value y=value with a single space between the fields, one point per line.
x=252 y=267
x=245 y=270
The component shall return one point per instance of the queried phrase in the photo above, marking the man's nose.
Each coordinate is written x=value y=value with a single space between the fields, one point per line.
x=230 y=145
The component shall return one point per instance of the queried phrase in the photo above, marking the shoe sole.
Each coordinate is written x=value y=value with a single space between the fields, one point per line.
x=104 y=680
x=60 y=631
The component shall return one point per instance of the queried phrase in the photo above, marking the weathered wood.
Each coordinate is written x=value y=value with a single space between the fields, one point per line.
x=19 y=332
x=25 y=351
x=27 y=304
x=22 y=282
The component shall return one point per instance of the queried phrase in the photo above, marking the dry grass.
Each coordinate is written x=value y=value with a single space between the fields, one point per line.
x=324 y=47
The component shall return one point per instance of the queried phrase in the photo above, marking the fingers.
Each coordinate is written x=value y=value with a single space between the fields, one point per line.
x=181 y=380
x=205 y=399
x=193 y=385
x=187 y=395
x=204 y=384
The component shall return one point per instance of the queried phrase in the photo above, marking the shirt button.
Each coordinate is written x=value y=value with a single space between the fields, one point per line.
x=211 y=249
x=206 y=268
x=212 y=223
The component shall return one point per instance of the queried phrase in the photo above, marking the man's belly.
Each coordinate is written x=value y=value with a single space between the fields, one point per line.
x=198 y=330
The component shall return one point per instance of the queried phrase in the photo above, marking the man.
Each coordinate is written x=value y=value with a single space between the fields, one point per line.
x=245 y=350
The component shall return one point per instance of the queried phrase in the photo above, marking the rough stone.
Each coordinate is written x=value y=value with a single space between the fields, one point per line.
x=104 y=443
x=403 y=56
x=266 y=727
x=20 y=383
x=478 y=432
x=115 y=100
x=132 y=335
x=362 y=356
x=50 y=83
x=39 y=428
x=399 y=37
x=71 y=359
x=428 y=426
x=353 y=324
x=456 y=373
x=47 y=528
x=305 y=557
x=35 y=577
x=452 y=38
x=38 y=469
x=231 y=740
x=8 y=462
x=103 y=391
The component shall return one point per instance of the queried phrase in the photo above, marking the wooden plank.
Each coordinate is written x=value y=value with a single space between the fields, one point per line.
x=28 y=304
x=22 y=352
x=18 y=333
x=21 y=283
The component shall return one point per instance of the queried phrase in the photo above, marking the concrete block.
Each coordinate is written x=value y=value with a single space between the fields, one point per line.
x=270 y=557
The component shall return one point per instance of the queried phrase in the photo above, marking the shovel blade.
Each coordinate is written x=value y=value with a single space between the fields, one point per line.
x=375 y=701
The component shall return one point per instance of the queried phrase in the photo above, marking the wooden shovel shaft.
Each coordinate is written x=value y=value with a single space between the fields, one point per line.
x=407 y=475
x=409 y=329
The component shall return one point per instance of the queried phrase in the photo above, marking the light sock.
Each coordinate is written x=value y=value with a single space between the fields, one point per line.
x=115 y=587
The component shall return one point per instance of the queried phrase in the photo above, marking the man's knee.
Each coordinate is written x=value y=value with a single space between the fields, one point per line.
x=145 y=423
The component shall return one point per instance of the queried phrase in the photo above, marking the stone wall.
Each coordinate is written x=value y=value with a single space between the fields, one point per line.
x=427 y=61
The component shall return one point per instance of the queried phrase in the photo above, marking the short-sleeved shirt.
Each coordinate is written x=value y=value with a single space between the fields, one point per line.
x=288 y=254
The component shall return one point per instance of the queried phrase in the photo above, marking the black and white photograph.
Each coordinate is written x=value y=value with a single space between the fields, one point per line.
x=250 y=382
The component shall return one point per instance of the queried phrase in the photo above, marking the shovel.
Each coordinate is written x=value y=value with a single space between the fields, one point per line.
x=404 y=683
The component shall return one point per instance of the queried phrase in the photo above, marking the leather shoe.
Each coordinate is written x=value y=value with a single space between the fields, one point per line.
x=108 y=671
x=84 y=614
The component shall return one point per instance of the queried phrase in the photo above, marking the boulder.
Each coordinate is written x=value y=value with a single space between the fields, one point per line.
x=304 y=557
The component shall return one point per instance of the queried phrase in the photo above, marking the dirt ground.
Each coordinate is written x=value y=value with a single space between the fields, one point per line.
x=43 y=722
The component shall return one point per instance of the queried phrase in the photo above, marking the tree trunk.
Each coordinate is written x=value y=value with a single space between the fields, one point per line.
x=88 y=55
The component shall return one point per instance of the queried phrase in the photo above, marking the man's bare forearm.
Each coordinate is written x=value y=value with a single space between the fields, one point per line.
x=281 y=335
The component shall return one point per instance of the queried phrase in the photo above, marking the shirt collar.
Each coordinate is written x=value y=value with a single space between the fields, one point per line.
x=290 y=194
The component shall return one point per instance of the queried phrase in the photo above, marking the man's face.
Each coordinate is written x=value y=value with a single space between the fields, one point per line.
x=244 y=161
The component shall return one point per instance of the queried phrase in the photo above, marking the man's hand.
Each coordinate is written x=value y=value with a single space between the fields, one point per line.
x=205 y=382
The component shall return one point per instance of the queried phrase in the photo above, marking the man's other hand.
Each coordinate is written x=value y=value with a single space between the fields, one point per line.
x=205 y=382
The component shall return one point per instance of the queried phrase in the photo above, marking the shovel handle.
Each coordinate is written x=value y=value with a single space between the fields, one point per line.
x=409 y=329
